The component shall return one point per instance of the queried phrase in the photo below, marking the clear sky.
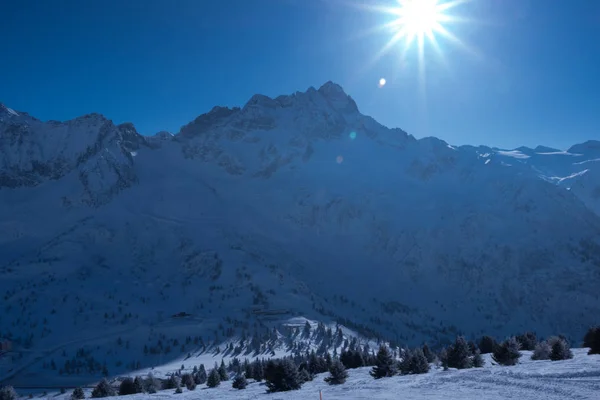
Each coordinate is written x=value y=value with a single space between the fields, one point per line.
x=532 y=77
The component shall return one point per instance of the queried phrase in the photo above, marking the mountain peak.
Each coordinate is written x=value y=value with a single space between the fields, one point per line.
x=4 y=110
x=336 y=95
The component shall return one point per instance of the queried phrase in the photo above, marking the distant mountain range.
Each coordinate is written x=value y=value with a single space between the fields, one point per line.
x=298 y=204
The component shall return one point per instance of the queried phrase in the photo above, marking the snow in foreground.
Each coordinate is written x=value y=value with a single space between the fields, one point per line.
x=578 y=378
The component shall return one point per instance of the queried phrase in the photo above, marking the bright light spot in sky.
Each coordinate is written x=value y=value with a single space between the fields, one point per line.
x=415 y=21
x=339 y=159
x=352 y=135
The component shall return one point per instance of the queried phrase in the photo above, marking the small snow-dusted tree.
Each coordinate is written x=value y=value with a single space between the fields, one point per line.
x=223 y=375
x=239 y=382
x=337 y=373
x=213 y=380
x=459 y=354
x=507 y=353
x=282 y=375
x=151 y=384
x=8 y=393
x=542 y=351
x=188 y=381
x=103 y=389
x=385 y=365
x=171 y=383
x=429 y=355
x=200 y=376
x=592 y=340
x=414 y=362
x=77 y=394
x=127 y=387
x=487 y=344
x=527 y=341
x=560 y=349
x=138 y=383
x=477 y=359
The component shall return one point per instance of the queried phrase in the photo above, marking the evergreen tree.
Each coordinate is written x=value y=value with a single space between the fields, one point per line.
x=527 y=341
x=385 y=365
x=8 y=393
x=507 y=353
x=542 y=351
x=239 y=382
x=223 y=375
x=188 y=381
x=178 y=390
x=337 y=373
x=77 y=394
x=151 y=384
x=103 y=389
x=487 y=344
x=138 y=384
x=592 y=340
x=214 y=379
x=306 y=332
x=127 y=387
x=282 y=375
x=428 y=354
x=200 y=376
x=418 y=362
x=459 y=354
x=172 y=382
x=560 y=349
x=477 y=360
x=257 y=371
x=304 y=375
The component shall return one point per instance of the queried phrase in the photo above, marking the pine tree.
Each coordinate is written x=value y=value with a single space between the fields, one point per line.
x=282 y=375
x=385 y=365
x=151 y=384
x=223 y=375
x=487 y=344
x=419 y=363
x=527 y=341
x=592 y=340
x=103 y=389
x=306 y=332
x=258 y=371
x=239 y=382
x=213 y=380
x=459 y=354
x=138 y=385
x=127 y=387
x=188 y=381
x=542 y=351
x=560 y=349
x=507 y=353
x=200 y=376
x=477 y=360
x=337 y=373
x=77 y=394
x=8 y=393
x=428 y=354
x=171 y=383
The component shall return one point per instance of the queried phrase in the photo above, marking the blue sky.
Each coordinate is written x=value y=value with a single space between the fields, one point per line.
x=534 y=77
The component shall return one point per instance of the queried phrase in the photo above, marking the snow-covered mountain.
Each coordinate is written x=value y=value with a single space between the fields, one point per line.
x=298 y=205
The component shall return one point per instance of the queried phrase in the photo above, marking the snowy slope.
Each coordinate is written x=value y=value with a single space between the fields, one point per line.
x=299 y=205
x=578 y=378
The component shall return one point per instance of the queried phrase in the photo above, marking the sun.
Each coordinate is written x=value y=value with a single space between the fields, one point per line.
x=420 y=21
x=419 y=17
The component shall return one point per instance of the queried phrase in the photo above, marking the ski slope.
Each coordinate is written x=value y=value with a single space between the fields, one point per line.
x=578 y=378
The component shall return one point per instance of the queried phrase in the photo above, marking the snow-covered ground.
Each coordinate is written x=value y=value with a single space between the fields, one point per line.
x=578 y=378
